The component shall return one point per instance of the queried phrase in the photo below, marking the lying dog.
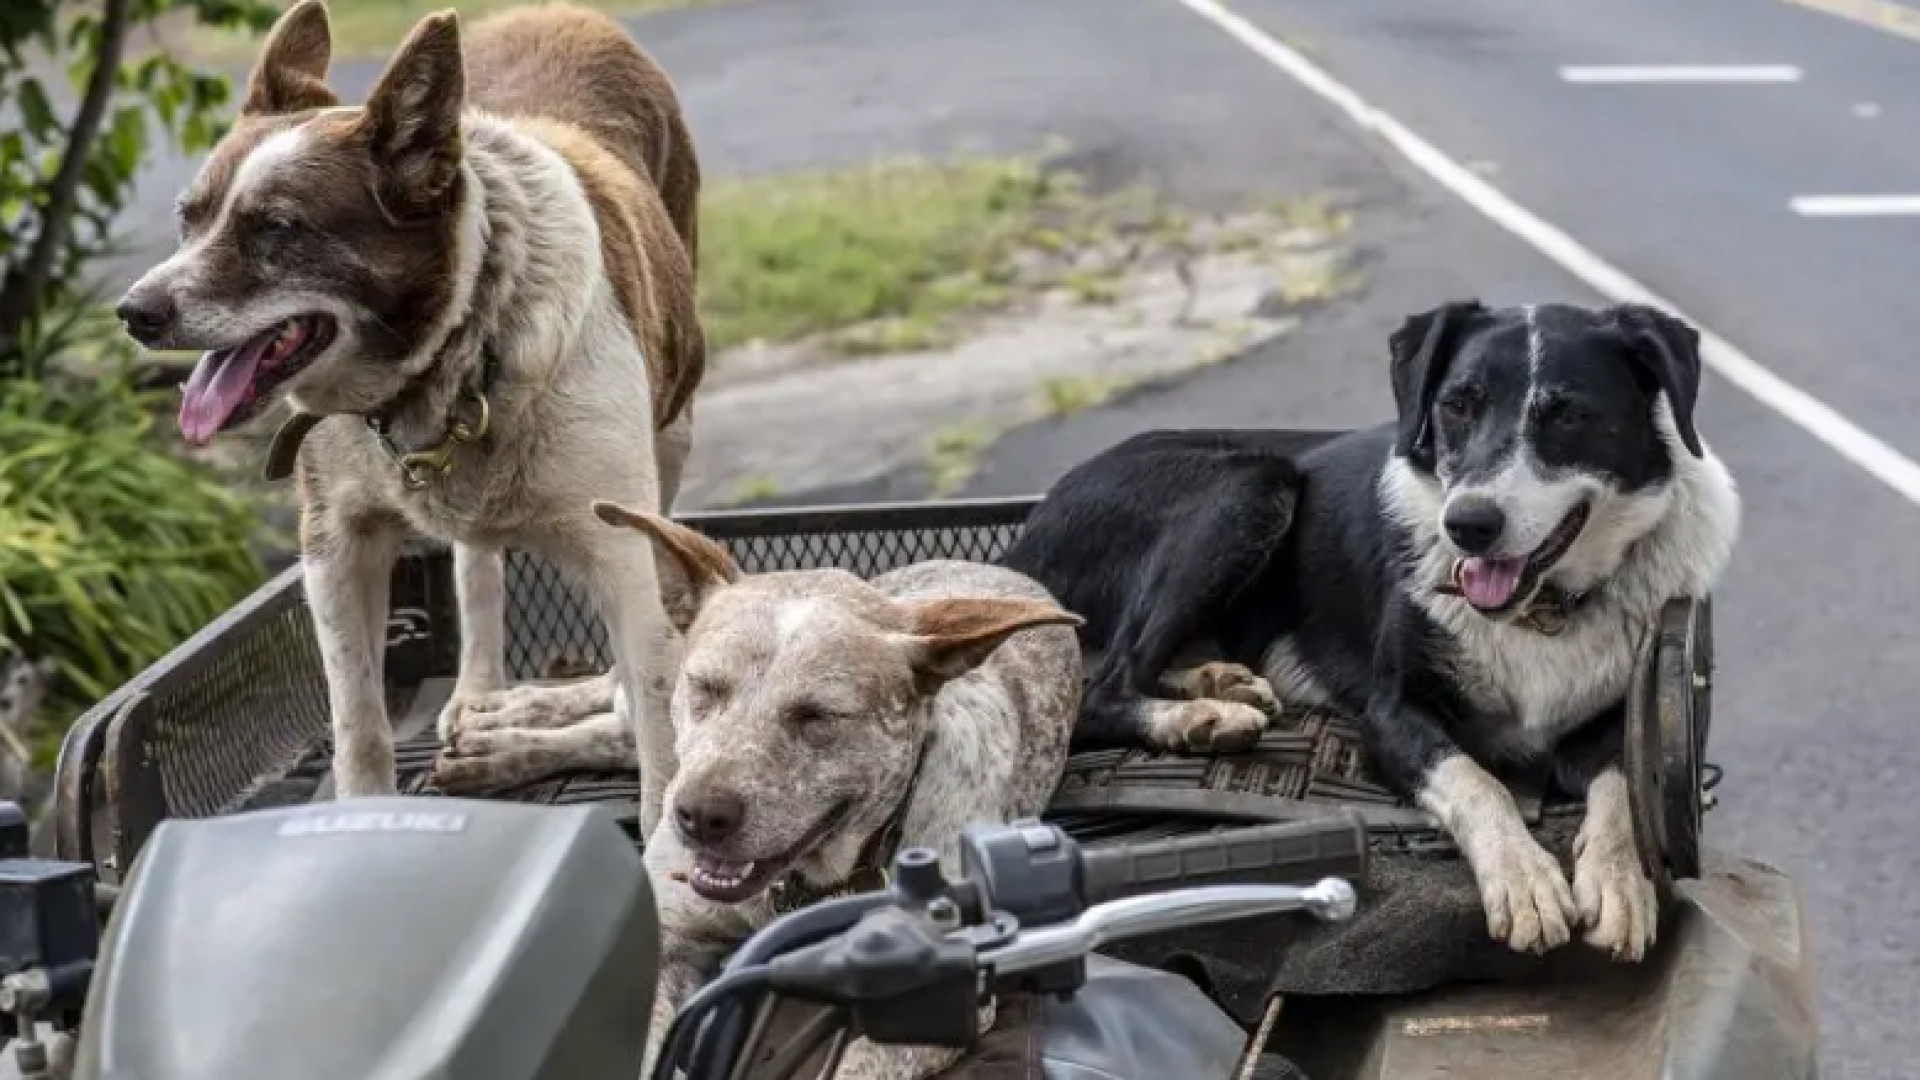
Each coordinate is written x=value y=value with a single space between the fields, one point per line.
x=476 y=293
x=1472 y=580
x=825 y=721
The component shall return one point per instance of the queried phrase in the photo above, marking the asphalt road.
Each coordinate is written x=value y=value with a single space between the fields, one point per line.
x=1686 y=187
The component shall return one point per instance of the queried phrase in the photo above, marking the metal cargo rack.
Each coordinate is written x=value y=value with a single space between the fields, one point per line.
x=236 y=717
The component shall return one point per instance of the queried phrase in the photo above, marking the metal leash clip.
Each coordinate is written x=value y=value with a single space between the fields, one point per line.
x=418 y=468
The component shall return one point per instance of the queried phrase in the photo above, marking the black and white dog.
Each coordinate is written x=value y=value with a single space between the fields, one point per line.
x=1472 y=580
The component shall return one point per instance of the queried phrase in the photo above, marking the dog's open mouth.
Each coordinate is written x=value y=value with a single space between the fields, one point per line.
x=726 y=882
x=1493 y=586
x=229 y=386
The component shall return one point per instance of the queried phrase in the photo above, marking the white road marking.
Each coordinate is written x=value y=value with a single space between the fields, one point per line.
x=1855 y=205
x=1811 y=415
x=1680 y=73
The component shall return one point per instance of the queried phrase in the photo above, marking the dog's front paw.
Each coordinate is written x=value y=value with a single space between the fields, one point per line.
x=475 y=762
x=1206 y=727
x=1525 y=894
x=454 y=715
x=1618 y=904
x=532 y=707
x=519 y=707
x=1236 y=683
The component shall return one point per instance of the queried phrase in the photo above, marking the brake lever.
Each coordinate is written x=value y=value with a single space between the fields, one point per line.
x=1331 y=900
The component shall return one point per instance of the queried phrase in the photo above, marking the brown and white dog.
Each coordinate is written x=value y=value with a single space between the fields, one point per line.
x=476 y=293
x=825 y=721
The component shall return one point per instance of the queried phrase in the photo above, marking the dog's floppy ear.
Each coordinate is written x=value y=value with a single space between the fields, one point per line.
x=948 y=638
x=1668 y=350
x=291 y=74
x=413 y=118
x=690 y=566
x=1422 y=350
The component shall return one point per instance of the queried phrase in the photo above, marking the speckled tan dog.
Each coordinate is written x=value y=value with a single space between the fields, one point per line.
x=476 y=293
x=823 y=722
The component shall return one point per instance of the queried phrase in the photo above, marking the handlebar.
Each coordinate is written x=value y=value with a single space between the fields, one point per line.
x=1331 y=899
x=1292 y=853
x=910 y=964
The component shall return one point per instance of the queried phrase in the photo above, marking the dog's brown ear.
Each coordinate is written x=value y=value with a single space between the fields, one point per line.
x=949 y=638
x=413 y=118
x=291 y=74
x=691 y=567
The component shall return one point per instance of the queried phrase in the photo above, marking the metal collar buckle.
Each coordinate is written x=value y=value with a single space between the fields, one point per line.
x=418 y=468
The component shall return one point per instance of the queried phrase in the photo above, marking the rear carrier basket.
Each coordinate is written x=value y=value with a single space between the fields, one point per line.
x=236 y=717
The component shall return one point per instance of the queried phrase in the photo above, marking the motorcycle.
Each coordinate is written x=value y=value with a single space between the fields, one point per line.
x=492 y=940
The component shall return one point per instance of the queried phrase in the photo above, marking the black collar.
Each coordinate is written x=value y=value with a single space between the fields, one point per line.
x=871 y=872
x=420 y=467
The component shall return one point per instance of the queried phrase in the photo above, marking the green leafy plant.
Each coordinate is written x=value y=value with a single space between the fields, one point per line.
x=66 y=170
x=113 y=549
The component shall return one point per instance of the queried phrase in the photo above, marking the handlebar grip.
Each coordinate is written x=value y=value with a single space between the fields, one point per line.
x=1293 y=853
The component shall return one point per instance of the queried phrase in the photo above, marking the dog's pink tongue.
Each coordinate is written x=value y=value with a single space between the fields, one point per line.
x=1489 y=583
x=217 y=388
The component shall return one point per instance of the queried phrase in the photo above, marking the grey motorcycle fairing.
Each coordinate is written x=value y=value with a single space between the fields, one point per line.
x=382 y=939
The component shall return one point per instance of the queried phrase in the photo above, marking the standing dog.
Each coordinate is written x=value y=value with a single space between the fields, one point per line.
x=823 y=721
x=476 y=293
x=1473 y=580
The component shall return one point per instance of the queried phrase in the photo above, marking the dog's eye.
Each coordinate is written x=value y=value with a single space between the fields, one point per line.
x=806 y=714
x=1459 y=407
x=703 y=694
x=190 y=213
x=1566 y=414
x=279 y=225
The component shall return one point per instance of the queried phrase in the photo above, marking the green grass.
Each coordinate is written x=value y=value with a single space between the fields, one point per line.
x=751 y=489
x=376 y=27
x=904 y=243
x=954 y=452
x=1070 y=394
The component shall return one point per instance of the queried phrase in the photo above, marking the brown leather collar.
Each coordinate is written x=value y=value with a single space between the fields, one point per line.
x=871 y=872
x=285 y=448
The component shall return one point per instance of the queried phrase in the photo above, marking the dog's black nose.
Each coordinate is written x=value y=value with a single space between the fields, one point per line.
x=148 y=315
x=1474 y=524
x=710 y=819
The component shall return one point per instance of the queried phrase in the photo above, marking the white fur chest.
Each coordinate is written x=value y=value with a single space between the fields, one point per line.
x=1536 y=687
x=1541 y=685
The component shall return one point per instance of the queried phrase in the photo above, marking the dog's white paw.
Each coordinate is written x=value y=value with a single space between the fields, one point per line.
x=1618 y=904
x=474 y=761
x=1236 y=683
x=1204 y=726
x=453 y=715
x=514 y=707
x=527 y=707
x=1525 y=894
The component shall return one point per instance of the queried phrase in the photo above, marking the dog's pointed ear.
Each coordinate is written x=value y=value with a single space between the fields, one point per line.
x=1668 y=351
x=1422 y=351
x=413 y=118
x=948 y=638
x=691 y=567
x=291 y=74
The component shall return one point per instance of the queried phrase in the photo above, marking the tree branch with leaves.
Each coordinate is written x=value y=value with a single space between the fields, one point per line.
x=63 y=182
